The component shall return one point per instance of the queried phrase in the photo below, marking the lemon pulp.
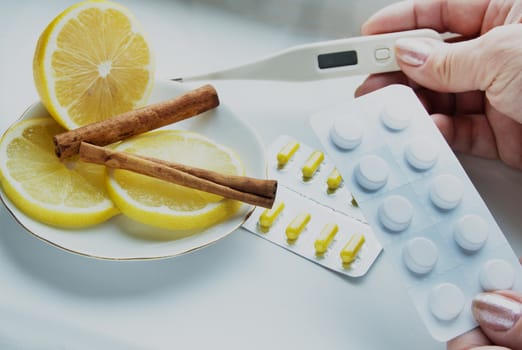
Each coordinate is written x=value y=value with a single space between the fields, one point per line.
x=166 y=205
x=92 y=62
x=66 y=194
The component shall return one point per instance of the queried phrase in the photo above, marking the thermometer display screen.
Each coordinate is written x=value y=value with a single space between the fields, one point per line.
x=337 y=59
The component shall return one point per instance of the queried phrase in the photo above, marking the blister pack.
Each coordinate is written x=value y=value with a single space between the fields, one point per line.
x=314 y=216
x=433 y=225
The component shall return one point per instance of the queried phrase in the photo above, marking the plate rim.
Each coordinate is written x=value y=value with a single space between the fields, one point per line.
x=10 y=206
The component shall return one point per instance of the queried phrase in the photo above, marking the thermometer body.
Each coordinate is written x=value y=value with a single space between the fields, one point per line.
x=323 y=60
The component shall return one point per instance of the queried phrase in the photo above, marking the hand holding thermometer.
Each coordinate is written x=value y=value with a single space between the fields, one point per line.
x=323 y=60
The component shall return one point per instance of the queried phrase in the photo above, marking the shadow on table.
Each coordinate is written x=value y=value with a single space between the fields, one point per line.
x=97 y=278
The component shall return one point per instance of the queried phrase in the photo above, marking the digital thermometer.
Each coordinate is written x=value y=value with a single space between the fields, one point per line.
x=323 y=60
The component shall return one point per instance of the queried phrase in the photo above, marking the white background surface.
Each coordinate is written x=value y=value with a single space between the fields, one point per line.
x=242 y=292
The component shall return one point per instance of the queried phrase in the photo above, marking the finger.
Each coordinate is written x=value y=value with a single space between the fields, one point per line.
x=439 y=66
x=508 y=134
x=500 y=317
x=428 y=98
x=483 y=347
x=469 y=134
x=446 y=67
x=443 y=102
x=473 y=135
x=458 y=16
x=490 y=63
x=515 y=13
x=510 y=294
x=377 y=81
x=476 y=339
x=471 y=339
x=471 y=102
x=436 y=102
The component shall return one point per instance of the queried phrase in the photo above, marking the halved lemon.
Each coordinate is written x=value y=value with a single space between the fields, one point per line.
x=92 y=62
x=70 y=194
x=166 y=205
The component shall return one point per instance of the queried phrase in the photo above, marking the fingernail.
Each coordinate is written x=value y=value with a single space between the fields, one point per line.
x=495 y=311
x=412 y=51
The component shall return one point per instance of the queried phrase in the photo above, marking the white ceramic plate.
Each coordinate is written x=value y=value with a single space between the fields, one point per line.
x=123 y=239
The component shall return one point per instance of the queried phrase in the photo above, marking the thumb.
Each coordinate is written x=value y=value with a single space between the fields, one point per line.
x=499 y=316
x=453 y=67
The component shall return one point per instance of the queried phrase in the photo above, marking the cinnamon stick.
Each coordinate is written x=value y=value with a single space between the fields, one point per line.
x=238 y=188
x=137 y=121
x=261 y=187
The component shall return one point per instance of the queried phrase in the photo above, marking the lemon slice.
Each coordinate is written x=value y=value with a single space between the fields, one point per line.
x=166 y=205
x=68 y=194
x=92 y=62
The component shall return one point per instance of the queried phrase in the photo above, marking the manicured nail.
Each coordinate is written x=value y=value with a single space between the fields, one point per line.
x=412 y=51
x=495 y=311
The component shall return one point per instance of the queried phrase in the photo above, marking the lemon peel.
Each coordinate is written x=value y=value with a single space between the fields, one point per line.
x=70 y=194
x=166 y=205
x=92 y=62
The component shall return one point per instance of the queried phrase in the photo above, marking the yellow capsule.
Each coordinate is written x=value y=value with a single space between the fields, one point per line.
x=294 y=229
x=312 y=164
x=267 y=218
x=350 y=250
x=325 y=238
x=334 y=180
x=287 y=152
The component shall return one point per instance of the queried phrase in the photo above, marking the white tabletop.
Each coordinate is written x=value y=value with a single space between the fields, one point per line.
x=241 y=292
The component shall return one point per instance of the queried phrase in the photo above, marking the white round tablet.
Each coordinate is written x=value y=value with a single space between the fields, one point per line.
x=372 y=172
x=346 y=133
x=471 y=232
x=446 y=191
x=395 y=213
x=422 y=154
x=420 y=255
x=446 y=301
x=497 y=274
x=396 y=115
